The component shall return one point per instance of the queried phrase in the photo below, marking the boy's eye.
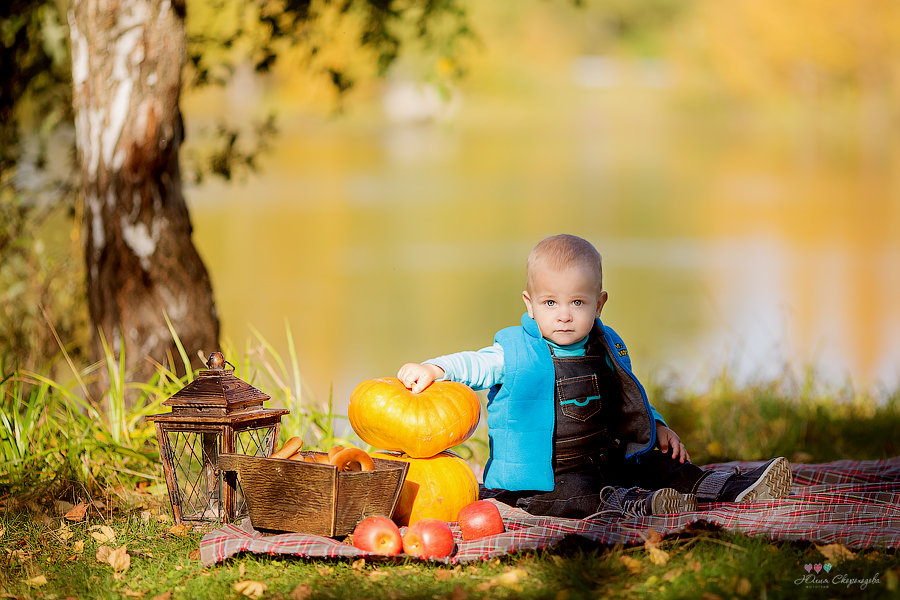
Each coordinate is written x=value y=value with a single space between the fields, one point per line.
x=550 y=302
x=577 y=302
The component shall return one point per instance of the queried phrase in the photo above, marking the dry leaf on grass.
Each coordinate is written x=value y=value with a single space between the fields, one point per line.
x=250 y=588
x=78 y=547
x=743 y=586
x=459 y=593
x=36 y=581
x=163 y=596
x=835 y=553
x=511 y=579
x=64 y=532
x=103 y=534
x=672 y=575
x=632 y=564
x=117 y=558
x=78 y=512
x=301 y=592
x=179 y=530
x=658 y=556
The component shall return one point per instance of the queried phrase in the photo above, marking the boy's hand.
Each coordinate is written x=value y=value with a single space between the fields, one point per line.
x=417 y=376
x=668 y=439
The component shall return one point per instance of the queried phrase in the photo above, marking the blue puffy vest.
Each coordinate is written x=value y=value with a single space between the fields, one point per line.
x=521 y=415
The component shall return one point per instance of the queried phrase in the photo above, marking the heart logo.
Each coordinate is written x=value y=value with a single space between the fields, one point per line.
x=808 y=567
x=827 y=567
x=817 y=568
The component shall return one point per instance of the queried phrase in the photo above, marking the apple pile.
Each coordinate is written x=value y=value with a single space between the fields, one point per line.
x=427 y=538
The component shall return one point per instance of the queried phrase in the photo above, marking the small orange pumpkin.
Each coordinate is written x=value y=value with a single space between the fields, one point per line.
x=388 y=416
x=435 y=487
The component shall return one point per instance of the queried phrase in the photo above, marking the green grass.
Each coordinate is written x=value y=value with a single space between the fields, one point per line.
x=58 y=445
x=705 y=564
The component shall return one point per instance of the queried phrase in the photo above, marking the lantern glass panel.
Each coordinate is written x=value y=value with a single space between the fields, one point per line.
x=199 y=482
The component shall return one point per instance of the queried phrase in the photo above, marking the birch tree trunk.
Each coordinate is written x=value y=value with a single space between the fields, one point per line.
x=141 y=264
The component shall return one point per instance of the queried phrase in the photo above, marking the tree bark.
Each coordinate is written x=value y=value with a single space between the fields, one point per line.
x=141 y=264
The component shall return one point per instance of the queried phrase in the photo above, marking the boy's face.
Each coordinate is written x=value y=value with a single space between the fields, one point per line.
x=564 y=302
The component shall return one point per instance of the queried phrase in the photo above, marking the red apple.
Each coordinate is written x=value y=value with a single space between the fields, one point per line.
x=379 y=535
x=428 y=538
x=479 y=519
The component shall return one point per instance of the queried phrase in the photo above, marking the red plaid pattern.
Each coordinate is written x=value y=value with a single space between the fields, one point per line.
x=854 y=503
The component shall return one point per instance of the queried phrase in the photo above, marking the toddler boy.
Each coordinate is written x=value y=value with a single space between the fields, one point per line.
x=571 y=430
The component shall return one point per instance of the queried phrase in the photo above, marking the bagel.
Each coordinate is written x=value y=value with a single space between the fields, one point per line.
x=290 y=447
x=315 y=458
x=352 y=459
x=334 y=450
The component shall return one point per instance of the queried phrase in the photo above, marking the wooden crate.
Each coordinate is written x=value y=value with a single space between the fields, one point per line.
x=303 y=497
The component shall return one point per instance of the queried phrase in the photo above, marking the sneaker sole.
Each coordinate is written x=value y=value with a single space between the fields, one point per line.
x=667 y=500
x=774 y=483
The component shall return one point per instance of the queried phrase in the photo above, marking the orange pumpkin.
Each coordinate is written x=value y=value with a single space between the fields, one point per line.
x=388 y=416
x=435 y=487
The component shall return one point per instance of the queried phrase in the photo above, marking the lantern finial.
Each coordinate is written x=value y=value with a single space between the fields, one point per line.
x=216 y=360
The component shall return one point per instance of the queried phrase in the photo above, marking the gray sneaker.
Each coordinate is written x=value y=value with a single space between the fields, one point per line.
x=638 y=502
x=770 y=481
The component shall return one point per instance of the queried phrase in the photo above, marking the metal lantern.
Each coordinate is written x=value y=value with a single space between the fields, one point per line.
x=216 y=413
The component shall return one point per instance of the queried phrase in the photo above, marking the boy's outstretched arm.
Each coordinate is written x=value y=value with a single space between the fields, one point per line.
x=669 y=440
x=417 y=376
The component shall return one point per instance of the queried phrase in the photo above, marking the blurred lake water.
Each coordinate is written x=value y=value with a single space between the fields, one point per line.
x=752 y=243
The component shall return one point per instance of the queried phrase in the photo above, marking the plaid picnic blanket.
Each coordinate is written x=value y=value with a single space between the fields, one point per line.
x=854 y=503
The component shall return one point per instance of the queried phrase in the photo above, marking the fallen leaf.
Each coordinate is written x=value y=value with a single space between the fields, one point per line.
x=64 y=532
x=134 y=594
x=103 y=553
x=442 y=574
x=835 y=553
x=163 y=596
x=78 y=512
x=194 y=554
x=242 y=570
x=892 y=580
x=658 y=556
x=459 y=593
x=743 y=586
x=511 y=579
x=104 y=535
x=36 y=581
x=250 y=588
x=672 y=575
x=78 y=547
x=301 y=592
x=376 y=575
x=119 y=559
x=632 y=564
x=694 y=565
x=324 y=571
x=359 y=564
x=180 y=530
x=710 y=596
x=145 y=516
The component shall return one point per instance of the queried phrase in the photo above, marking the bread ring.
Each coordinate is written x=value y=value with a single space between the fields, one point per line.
x=290 y=447
x=334 y=450
x=296 y=456
x=315 y=458
x=353 y=459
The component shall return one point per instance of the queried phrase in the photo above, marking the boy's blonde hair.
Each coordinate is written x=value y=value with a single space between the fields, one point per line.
x=562 y=252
